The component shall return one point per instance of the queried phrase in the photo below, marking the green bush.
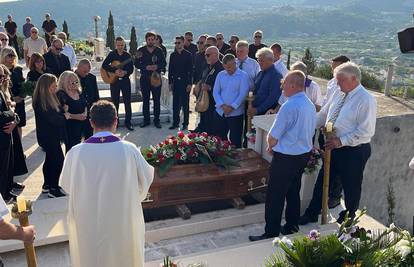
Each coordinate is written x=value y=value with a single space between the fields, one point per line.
x=323 y=71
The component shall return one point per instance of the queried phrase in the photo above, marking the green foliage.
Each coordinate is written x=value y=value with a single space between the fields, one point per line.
x=288 y=60
x=110 y=32
x=133 y=44
x=390 y=202
x=82 y=45
x=27 y=88
x=309 y=61
x=370 y=81
x=169 y=162
x=65 y=29
x=323 y=71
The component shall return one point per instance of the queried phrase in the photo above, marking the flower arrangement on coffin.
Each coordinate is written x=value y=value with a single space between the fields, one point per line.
x=190 y=148
x=351 y=246
x=27 y=88
x=251 y=136
x=315 y=161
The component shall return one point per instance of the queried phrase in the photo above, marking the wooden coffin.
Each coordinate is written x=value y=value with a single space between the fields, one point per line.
x=190 y=183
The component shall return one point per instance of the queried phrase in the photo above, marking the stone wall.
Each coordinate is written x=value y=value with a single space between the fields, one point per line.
x=392 y=150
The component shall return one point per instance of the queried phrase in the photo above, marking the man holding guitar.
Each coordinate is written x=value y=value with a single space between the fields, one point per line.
x=120 y=63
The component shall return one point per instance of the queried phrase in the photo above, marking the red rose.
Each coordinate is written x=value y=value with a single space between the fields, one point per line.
x=177 y=156
x=191 y=143
x=149 y=155
x=160 y=156
x=166 y=142
x=180 y=135
x=175 y=142
x=183 y=144
x=204 y=134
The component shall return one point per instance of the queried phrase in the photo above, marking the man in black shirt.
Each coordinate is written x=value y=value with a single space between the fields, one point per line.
x=233 y=41
x=150 y=60
x=89 y=90
x=180 y=79
x=49 y=27
x=123 y=83
x=56 y=62
x=221 y=45
x=188 y=45
x=253 y=48
x=200 y=62
x=11 y=29
x=208 y=79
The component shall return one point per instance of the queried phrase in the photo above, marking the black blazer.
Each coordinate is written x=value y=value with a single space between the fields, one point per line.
x=89 y=89
x=6 y=115
x=50 y=126
x=56 y=64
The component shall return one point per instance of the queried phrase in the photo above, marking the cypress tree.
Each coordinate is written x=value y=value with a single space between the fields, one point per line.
x=288 y=60
x=133 y=45
x=65 y=29
x=110 y=32
x=309 y=61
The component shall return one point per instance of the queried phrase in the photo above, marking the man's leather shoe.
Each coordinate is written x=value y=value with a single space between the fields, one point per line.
x=158 y=125
x=341 y=218
x=305 y=219
x=258 y=237
x=184 y=128
x=172 y=127
x=289 y=229
x=129 y=127
x=334 y=202
x=144 y=124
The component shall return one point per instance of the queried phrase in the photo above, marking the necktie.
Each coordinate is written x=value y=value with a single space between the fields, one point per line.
x=241 y=64
x=335 y=115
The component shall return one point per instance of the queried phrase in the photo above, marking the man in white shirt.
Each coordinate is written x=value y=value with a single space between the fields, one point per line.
x=279 y=65
x=230 y=91
x=290 y=142
x=33 y=44
x=332 y=86
x=11 y=231
x=67 y=49
x=352 y=111
x=106 y=179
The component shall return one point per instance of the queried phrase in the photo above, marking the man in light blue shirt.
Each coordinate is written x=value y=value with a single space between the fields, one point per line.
x=290 y=142
x=230 y=91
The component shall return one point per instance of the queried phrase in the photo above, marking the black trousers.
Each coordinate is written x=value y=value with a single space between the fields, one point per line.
x=123 y=86
x=284 y=184
x=234 y=125
x=245 y=119
x=347 y=166
x=52 y=167
x=74 y=130
x=6 y=170
x=181 y=100
x=13 y=42
x=147 y=90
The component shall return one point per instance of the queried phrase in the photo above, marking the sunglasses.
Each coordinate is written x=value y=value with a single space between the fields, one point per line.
x=73 y=83
x=200 y=42
x=2 y=77
x=220 y=38
x=58 y=49
x=4 y=40
x=38 y=61
x=258 y=37
x=11 y=55
x=34 y=32
x=190 y=40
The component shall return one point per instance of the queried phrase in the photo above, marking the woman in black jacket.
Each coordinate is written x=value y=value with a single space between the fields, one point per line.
x=37 y=66
x=50 y=130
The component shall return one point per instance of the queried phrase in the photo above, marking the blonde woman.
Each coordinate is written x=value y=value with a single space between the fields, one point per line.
x=50 y=129
x=70 y=96
x=8 y=57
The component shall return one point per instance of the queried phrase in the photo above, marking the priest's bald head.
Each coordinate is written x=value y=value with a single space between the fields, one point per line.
x=103 y=116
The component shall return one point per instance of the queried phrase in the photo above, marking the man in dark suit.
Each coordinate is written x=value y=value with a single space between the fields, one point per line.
x=56 y=62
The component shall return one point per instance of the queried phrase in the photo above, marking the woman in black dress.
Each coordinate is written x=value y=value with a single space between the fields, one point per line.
x=71 y=98
x=8 y=57
x=37 y=66
x=50 y=130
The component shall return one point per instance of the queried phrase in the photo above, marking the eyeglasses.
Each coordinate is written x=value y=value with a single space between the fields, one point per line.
x=190 y=40
x=220 y=38
x=38 y=61
x=75 y=82
x=11 y=55
x=34 y=32
x=58 y=49
x=4 y=40
x=258 y=37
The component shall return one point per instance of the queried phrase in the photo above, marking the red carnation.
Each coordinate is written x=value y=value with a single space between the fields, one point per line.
x=175 y=142
x=149 y=155
x=180 y=135
x=177 y=156
x=183 y=144
x=166 y=142
x=160 y=156
x=191 y=143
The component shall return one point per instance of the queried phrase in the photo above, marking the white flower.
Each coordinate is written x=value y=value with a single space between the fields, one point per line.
x=287 y=242
x=276 y=241
x=345 y=237
x=392 y=226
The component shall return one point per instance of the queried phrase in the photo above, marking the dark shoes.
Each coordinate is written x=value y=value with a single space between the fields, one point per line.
x=157 y=125
x=184 y=128
x=305 y=219
x=342 y=216
x=289 y=229
x=334 y=202
x=172 y=127
x=144 y=124
x=56 y=192
x=45 y=188
x=129 y=127
x=259 y=237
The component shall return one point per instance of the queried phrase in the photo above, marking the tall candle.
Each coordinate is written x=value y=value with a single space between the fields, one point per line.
x=21 y=204
x=329 y=127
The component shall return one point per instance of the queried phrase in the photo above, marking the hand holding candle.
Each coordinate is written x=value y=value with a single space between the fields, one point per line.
x=21 y=204
x=329 y=127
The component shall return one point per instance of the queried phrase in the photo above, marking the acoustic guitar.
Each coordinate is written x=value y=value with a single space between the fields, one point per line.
x=110 y=77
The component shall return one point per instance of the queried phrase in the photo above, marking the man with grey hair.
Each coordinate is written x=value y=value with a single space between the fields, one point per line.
x=352 y=112
x=33 y=44
x=89 y=90
x=253 y=48
x=290 y=142
x=267 y=84
x=230 y=91
x=56 y=62
x=208 y=79
x=67 y=49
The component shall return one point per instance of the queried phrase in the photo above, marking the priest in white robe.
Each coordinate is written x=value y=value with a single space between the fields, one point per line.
x=106 y=179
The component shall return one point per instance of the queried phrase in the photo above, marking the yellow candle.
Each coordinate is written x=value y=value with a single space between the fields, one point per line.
x=329 y=127
x=21 y=204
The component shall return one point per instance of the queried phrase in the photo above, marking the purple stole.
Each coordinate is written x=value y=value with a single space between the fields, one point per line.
x=103 y=139
x=307 y=82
